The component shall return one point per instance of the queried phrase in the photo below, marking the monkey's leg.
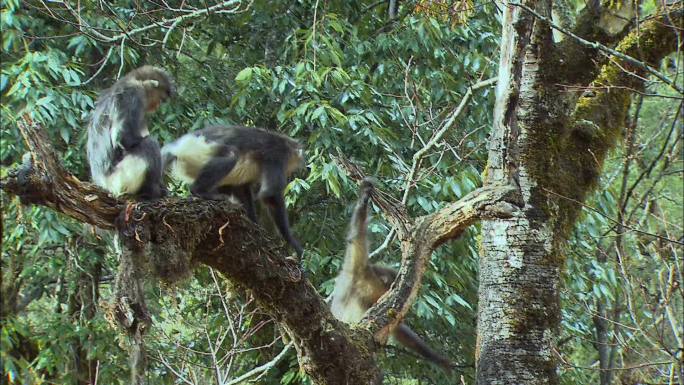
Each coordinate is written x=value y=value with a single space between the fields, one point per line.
x=272 y=188
x=411 y=340
x=244 y=195
x=152 y=186
x=211 y=174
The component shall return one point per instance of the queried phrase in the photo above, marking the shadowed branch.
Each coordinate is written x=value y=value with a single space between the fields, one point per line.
x=176 y=234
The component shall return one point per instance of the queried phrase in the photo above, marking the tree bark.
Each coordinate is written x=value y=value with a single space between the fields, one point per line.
x=518 y=309
x=550 y=145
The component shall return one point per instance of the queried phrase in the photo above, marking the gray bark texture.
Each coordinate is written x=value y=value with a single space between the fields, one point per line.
x=550 y=144
x=518 y=298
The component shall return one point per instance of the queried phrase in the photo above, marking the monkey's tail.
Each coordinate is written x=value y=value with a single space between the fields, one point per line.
x=411 y=340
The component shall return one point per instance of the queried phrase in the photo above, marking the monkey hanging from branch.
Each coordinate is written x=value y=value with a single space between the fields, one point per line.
x=360 y=284
x=221 y=162
x=124 y=159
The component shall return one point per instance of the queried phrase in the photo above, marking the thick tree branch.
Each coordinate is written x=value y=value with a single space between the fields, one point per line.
x=42 y=180
x=425 y=236
x=616 y=53
x=578 y=64
x=177 y=233
x=420 y=237
x=599 y=117
x=487 y=202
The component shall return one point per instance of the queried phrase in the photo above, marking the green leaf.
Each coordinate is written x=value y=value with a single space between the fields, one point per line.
x=244 y=76
x=460 y=301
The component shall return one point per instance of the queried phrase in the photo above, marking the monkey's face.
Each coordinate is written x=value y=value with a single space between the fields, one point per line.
x=155 y=97
x=297 y=166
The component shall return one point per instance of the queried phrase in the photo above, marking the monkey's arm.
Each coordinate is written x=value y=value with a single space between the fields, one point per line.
x=356 y=256
x=411 y=340
x=131 y=109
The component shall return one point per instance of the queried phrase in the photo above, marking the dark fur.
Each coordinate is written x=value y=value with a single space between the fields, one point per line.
x=258 y=156
x=360 y=284
x=118 y=129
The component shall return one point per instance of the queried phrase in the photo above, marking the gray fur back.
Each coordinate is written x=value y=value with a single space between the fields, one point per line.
x=100 y=146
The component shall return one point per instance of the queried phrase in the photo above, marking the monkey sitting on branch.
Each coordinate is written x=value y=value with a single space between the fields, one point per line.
x=124 y=159
x=360 y=284
x=221 y=162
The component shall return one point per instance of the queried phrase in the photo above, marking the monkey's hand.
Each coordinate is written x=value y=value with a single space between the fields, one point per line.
x=368 y=184
x=366 y=189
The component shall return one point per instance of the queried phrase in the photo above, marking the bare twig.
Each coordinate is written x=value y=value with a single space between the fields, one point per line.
x=173 y=22
x=260 y=370
x=104 y=63
x=420 y=154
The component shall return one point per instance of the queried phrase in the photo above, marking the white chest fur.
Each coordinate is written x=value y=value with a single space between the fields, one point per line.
x=127 y=177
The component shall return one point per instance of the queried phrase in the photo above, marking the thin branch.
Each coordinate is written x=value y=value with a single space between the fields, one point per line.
x=121 y=57
x=644 y=365
x=104 y=63
x=608 y=50
x=420 y=154
x=615 y=221
x=172 y=21
x=262 y=368
x=175 y=372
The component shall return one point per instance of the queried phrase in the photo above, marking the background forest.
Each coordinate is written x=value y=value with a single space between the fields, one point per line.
x=365 y=80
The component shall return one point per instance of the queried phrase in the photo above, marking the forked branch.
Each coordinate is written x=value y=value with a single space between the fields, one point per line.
x=421 y=236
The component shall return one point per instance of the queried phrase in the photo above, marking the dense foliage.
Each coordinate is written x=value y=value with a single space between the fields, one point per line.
x=345 y=80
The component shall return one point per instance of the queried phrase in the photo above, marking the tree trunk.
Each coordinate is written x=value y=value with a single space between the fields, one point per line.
x=551 y=145
x=519 y=308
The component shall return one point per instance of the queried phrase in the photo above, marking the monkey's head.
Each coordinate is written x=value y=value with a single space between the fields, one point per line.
x=296 y=163
x=158 y=84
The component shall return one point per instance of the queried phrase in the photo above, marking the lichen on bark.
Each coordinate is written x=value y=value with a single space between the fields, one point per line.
x=597 y=121
x=551 y=145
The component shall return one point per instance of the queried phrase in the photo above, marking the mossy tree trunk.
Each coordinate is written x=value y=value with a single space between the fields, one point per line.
x=550 y=144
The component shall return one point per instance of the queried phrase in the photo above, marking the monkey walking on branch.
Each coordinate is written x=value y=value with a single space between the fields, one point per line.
x=124 y=159
x=360 y=284
x=226 y=161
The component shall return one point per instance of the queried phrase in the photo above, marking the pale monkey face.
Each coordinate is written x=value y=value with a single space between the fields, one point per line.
x=155 y=97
